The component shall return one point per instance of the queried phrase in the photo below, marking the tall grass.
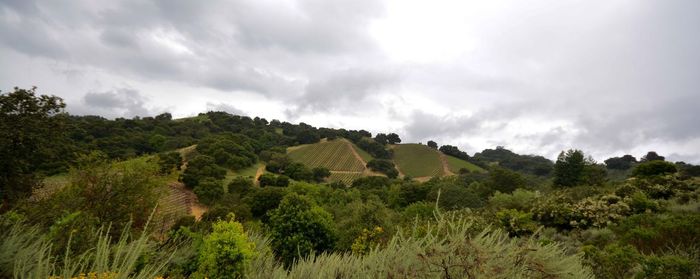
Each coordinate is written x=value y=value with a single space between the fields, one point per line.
x=25 y=252
x=443 y=248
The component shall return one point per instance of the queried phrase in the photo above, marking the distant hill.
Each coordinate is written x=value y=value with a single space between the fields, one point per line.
x=420 y=161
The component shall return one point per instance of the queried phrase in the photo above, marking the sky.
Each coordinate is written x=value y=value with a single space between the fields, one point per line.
x=607 y=77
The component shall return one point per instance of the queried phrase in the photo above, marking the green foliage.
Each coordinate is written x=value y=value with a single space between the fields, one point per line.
x=234 y=151
x=263 y=200
x=319 y=174
x=269 y=179
x=241 y=186
x=169 y=161
x=384 y=166
x=651 y=233
x=505 y=181
x=299 y=228
x=516 y=223
x=226 y=252
x=505 y=158
x=573 y=168
x=209 y=190
x=367 y=240
x=668 y=267
x=613 y=261
x=654 y=168
x=32 y=129
x=520 y=199
x=454 y=196
x=357 y=216
x=201 y=167
x=445 y=249
x=377 y=150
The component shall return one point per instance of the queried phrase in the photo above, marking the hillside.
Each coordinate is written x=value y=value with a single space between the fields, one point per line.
x=345 y=161
x=422 y=162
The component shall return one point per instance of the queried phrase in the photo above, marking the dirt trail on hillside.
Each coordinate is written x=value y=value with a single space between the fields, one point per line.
x=258 y=173
x=366 y=170
x=189 y=199
x=445 y=165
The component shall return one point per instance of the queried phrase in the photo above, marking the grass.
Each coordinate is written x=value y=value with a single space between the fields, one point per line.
x=417 y=160
x=336 y=155
x=455 y=164
x=247 y=172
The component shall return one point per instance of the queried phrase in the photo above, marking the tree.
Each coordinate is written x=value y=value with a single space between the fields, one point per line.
x=654 y=168
x=620 y=163
x=454 y=152
x=226 y=252
x=432 y=144
x=505 y=181
x=320 y=174
x=201 y=167
x=169 y=161
x=209 y=190
x=30 y=126
x=384 y=166
x=393 y=138
x=574 y=168
x=381 y=139
x=299 y=228
x=652 y=156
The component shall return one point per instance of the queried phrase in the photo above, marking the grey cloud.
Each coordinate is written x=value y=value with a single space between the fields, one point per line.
x=224 y=107
x=122 y=102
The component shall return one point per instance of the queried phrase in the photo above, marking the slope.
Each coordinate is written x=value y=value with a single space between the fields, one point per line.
x=345 y=161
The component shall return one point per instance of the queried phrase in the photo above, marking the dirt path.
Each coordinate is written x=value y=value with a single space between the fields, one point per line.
x=189 y=199
x=348 y=172
x=445 y=166
x=258 y=173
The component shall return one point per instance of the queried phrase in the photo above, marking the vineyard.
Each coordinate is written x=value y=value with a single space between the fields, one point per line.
x=336 y=155
x=417 y=160
x=346 y=177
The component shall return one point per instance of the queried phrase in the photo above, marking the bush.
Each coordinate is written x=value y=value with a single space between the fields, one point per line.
x=299 y=228
x=520 y=199
x=614 y=261
x=201 y=167
x=668 y=267
x=226 y=252
x=516 y=223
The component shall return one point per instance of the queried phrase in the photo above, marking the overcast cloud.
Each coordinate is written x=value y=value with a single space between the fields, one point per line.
x=608 y=77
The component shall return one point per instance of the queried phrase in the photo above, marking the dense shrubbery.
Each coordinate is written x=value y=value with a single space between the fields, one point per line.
x=384 y=166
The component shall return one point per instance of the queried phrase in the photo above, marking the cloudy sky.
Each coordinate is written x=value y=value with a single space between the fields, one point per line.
x=607 y=77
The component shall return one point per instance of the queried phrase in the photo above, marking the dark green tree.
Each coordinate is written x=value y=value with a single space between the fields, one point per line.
x=652 y=156
x=201 y=167
x=384 y=166
x=209 y=190
x=393 y=138
x=320 y=174
x=654 y=168
x=570 y=168
x=30 y=126
x=432 y=144
x=504 y=180
x=299 y=228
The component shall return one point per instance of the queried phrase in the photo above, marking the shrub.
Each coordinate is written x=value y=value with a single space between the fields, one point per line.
x=520 y=199
x=613 y=261
x=299 y=228
x=668 y=267
x=225 y=252
x=516 y=223
x=384 y=166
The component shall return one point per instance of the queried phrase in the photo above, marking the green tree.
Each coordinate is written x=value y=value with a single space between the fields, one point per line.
x=653 y=168
x=299 y=228
x=574 y=168
x=209 y=190
x=201 y=167
x=504 y=180
x=432 y=144
x=30 y=126
x=225 y=252
x=393 y=138
x=169 y=161
x=320 y=174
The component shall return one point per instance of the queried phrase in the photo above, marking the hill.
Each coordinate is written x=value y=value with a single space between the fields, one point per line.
x=422 y=162
x=345 y=161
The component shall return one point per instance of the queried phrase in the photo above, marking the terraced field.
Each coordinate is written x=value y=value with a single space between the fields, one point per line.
x=455 y=164
x=336 y=155
x=417 y=160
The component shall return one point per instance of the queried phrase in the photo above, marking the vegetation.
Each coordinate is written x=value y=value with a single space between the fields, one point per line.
x=416 y=160
x=108 y=210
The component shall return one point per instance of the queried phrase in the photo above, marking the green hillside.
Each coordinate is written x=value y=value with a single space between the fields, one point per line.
x=417 y=160
x=455 y=164
x=335 y=155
